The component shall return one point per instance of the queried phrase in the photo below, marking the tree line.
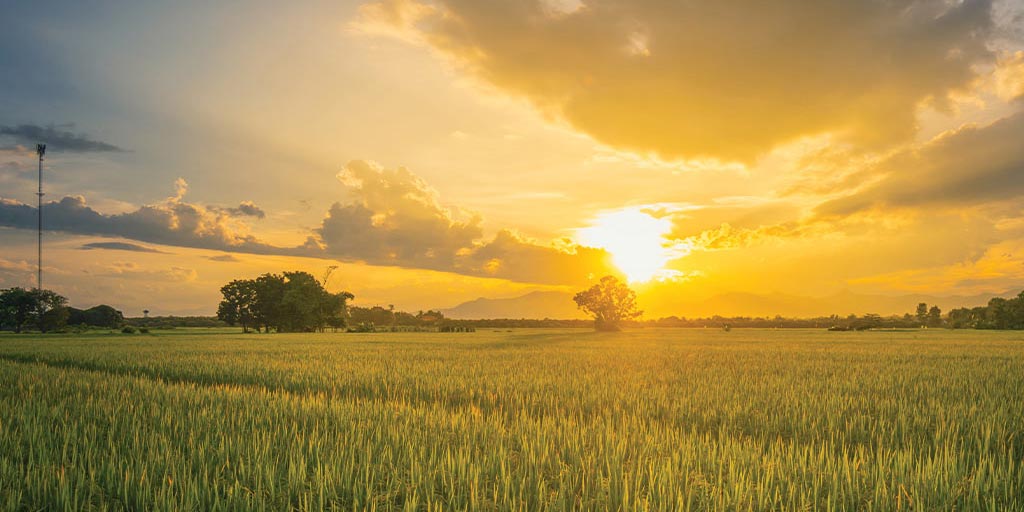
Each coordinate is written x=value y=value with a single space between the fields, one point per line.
x=999 y=313
x=377 y=317
x=47 y=311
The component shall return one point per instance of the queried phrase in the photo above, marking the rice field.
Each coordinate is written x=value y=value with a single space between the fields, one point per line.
x=674 y=419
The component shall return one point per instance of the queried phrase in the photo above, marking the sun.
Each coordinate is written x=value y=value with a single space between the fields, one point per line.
x=636 y=241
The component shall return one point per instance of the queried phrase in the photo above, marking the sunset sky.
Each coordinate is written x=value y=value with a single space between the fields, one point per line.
x=439 y=151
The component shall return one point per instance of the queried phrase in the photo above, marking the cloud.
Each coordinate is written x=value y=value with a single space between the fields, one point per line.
x=727 y=237
x=968 y=167
x=395 y=218
x=132 y=269
x=392 y=218
x=727 y=80
x=56 y=139
x=244 y=209
x=510 y=256
x=16 y=266
x=172 y=222
x=118 y=246
x=998 y=268
x=224 y=258
x=1009 y=77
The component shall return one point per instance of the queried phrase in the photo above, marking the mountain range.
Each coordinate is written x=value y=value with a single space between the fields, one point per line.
x=555 y=304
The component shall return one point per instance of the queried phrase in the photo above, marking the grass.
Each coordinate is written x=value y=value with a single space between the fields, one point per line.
x=522 y=420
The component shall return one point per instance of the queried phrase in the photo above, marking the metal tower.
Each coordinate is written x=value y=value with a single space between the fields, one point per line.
x=41 y=150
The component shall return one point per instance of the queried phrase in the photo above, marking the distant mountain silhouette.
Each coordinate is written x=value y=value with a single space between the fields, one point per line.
x=538 y=305
x=532 y=305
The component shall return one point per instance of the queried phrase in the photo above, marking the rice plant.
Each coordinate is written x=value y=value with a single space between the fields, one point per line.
x=523 y=420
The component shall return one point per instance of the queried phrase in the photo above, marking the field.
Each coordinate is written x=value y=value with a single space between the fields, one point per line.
x=514 y=420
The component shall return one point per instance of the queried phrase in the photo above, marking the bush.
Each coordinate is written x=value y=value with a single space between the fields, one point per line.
x=143 y=330
x=128 y=329
x=363 y=327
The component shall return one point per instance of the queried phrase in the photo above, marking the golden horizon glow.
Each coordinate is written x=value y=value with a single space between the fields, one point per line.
x=468 y=171
x=636 y=241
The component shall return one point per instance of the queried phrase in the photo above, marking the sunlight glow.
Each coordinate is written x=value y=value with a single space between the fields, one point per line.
x=636 y=241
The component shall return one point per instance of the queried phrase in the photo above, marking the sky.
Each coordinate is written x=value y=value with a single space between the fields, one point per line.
x=440 y=151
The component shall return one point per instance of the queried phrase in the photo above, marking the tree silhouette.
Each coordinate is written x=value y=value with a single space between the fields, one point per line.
x=610 y=302
x=292 y=302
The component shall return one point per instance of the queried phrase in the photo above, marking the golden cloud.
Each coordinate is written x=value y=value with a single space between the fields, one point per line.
x=710 y=79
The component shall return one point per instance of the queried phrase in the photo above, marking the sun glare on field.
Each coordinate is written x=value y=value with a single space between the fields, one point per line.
x=635 y=240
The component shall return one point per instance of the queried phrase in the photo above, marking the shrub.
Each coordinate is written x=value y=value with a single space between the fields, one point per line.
x=128 y=329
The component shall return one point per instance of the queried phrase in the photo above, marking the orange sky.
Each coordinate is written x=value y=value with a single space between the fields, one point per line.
x=439 y=151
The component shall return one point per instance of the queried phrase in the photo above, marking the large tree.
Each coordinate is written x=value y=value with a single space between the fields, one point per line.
x=288 y=302
x=19 y=307
x=610 y=302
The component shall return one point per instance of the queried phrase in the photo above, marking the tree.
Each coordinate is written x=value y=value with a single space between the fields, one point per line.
x=54 y=319
x=922 y=313
x=99 y=316
x=999 y=314
x=269 y=293
x=16 y=307
x=934 y=317
x=300 y=304
x=609 y=302
x=334 y=309
x=239 y=304
x=288 y=302
x=960 y=318
x=45 y=302
x=45 y=308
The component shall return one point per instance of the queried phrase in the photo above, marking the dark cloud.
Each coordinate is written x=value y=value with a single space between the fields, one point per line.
x=247 y=209
x=172 y=222
x=119 y=246
x=56 y=138
x=699 y=78
x=972 y=166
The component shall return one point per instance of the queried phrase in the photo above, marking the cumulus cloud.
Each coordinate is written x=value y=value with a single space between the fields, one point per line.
x=118 y=246
x=56 y=139
x=173 y=221
x=395 y=218
x=691 y=78
x=511 y=256
x=971 y=166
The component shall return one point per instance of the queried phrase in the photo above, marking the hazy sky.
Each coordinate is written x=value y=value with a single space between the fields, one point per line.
x=444 y=150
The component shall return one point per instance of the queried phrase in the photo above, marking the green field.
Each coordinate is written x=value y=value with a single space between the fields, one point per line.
x=526 y=420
